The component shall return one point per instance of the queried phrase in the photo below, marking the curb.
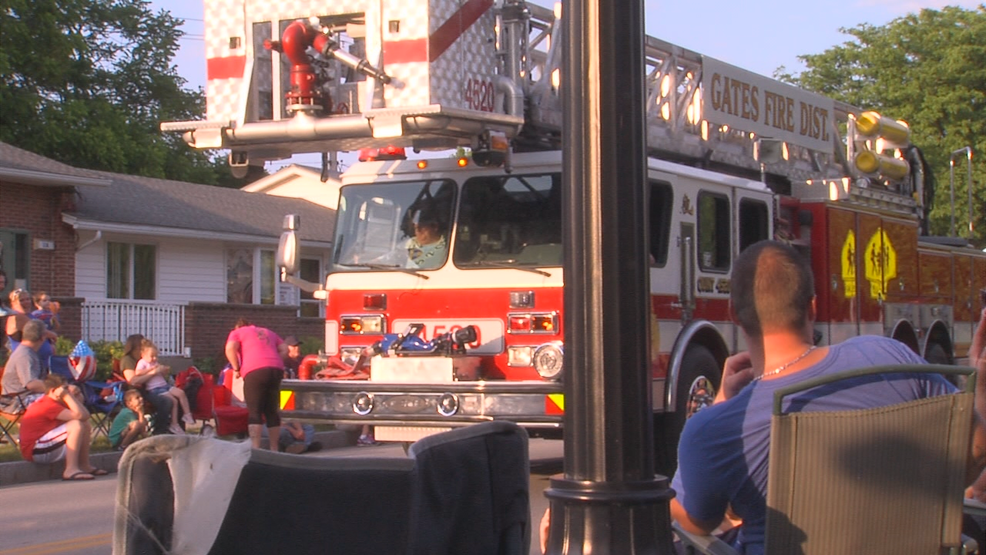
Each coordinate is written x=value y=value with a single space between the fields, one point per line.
x=24 y=472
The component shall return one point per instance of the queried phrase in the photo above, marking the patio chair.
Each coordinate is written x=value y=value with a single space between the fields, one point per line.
x=881 y=480
x=102 y=399
x=9 y=420
x=194 y=495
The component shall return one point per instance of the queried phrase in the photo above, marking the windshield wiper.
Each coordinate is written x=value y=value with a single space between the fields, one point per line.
x=508 y=264
x=396 y=267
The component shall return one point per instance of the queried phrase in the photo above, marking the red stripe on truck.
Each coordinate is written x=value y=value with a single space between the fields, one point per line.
x=452 y=29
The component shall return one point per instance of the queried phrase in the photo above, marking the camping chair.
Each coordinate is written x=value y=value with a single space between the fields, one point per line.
x=8 y=420
x=882 y=480
x=193 y=495
x=102 y=399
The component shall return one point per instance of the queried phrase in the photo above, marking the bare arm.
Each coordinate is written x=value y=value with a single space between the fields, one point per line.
x=690 y=524
x=133 y=378
x=233 y=355
x=737 y=372
x=75 y=410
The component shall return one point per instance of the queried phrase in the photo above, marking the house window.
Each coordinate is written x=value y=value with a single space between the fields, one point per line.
x=311 y=270
x=14 y=260
x=130 y=271
x=250 y=274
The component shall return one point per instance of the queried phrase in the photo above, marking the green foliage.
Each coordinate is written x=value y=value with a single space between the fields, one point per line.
x=311 y=345
x=927 y=69
x=206 y=365
x=106 y=351
x=88 y=82
x=64 y=346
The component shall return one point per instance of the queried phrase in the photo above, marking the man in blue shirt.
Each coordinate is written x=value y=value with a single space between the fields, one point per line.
x=724 y=449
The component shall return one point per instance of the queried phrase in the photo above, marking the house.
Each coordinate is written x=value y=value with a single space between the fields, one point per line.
x=297 y=181
x=178 y=262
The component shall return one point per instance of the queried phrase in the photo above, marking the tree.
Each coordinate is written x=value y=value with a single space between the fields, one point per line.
x=87 y=82
x=927 y=69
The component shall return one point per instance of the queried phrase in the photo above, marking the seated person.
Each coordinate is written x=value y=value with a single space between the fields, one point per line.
x=295 y=437
x=724 y=448
x=131 y=423
x=24 y=371
x=157 y=384
x=155 y=404
x=21 y=306
x=56 y=427
x=426 y=250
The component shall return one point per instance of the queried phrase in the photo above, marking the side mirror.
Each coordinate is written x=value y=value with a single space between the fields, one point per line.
x=287 y=247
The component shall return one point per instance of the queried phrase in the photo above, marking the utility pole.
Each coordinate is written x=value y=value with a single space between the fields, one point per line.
x=609 y=501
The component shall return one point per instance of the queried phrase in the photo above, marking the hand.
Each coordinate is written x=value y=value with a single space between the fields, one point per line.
x=54 y=307
x=544 y=528
x=737 y=373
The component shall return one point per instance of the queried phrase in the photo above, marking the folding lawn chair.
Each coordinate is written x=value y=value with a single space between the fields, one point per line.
x=102 y=399
x=8 y=420
x=881 y=480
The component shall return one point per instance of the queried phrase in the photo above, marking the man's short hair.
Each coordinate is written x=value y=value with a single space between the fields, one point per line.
x=130 y=394
x=772 y=287
x=33 y=331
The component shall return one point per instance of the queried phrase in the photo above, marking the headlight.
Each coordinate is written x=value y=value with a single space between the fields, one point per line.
x=548 y=359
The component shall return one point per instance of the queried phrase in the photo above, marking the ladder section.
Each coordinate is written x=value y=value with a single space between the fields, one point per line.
x=306 y=76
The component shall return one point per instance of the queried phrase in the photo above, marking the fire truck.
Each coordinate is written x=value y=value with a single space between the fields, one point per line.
x=467 y=326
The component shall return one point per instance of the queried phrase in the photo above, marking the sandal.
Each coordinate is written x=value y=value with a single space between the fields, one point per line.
x=80 y=476
x=98 y=472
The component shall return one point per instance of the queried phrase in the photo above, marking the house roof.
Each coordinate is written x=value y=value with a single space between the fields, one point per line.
x=179 y=208
x=22 y=166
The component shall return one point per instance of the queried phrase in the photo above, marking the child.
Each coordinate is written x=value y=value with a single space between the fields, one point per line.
x=130 y=424
x=47 y=311
x=158 y=385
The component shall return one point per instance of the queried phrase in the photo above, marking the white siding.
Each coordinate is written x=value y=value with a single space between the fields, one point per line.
x=188 y=270
x=191 y=270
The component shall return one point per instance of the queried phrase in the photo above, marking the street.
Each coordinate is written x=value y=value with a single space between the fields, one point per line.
x=55 y=517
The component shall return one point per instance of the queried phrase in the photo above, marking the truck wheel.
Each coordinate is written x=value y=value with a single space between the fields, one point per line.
x=696 y=389
x=936 y=355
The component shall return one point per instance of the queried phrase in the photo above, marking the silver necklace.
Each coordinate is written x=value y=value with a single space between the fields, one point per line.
x=784 y=367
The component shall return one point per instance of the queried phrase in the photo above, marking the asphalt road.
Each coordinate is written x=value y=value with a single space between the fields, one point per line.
x=47 y=518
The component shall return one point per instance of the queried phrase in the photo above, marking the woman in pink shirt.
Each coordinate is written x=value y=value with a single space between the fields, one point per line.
x=258 y=355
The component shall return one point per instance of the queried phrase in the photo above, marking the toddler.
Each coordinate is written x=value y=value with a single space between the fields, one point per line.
x=158 y=385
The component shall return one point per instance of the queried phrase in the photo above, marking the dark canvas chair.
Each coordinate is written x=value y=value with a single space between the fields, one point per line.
x=278 y=503
x=882 y=480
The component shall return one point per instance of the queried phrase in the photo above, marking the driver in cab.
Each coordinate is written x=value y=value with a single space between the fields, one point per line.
x=425 y=250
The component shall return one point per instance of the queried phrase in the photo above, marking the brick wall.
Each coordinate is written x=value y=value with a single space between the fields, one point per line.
x=208 y=324
x=37 y=210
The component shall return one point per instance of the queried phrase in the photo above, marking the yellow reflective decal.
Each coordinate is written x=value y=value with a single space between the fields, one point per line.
x=880 y=263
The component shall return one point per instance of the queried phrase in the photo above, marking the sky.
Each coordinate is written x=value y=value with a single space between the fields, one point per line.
x=756 y=35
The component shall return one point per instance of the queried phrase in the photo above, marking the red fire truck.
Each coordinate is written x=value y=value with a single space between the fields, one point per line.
x=734 y=158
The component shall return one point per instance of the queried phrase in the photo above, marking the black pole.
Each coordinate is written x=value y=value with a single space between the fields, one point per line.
x=609 y=500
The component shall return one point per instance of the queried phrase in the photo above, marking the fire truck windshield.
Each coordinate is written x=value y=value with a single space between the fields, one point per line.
x=504 y=221
x=394 y=225
x=509 y=221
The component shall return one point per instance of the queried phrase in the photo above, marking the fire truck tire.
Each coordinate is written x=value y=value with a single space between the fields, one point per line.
x=696 y=388
x=936 y=354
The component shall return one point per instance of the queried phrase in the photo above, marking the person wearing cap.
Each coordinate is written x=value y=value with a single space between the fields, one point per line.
x=293 y=361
